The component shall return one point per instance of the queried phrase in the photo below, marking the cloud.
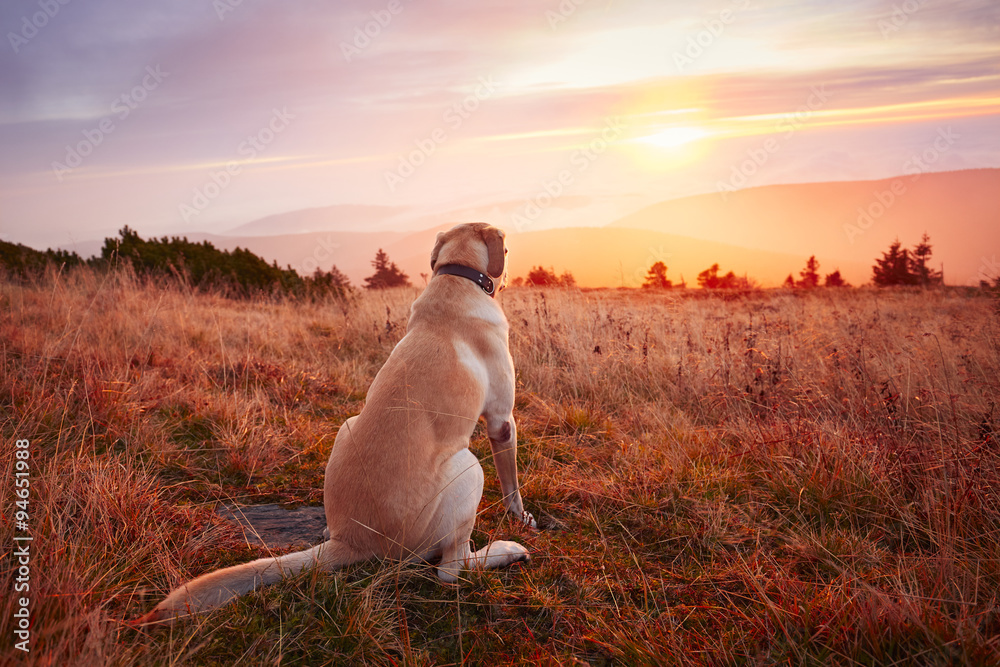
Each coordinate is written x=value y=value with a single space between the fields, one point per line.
x=557 y=82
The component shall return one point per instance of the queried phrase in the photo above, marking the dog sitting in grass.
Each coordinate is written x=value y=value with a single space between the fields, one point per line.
x=401 y=482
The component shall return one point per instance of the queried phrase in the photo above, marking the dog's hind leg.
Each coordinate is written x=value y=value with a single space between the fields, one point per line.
x=456 y=516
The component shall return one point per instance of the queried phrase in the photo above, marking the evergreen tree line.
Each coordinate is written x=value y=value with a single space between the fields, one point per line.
x=897 y=266
x=238 y=273
x=20 y=261
x=809 y=277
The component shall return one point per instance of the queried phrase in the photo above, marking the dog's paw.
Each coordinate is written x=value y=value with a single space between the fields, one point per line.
x=510 y=552
x=528 y=520
x=520 y=554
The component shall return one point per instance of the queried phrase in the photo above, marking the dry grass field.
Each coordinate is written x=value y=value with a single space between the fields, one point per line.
x=778 y=477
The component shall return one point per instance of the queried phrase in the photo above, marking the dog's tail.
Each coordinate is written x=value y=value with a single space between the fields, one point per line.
x=217 y=588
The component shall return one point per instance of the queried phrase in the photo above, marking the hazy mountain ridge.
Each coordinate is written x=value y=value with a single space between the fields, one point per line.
x=688 y=234
x=856 y=220
x=319 y=219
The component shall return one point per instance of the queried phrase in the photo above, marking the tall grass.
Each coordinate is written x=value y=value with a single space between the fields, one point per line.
x=779 y=477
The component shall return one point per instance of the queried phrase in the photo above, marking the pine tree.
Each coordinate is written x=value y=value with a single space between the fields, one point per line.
x=789 y=281
x=810 y=274
x=387 y=274
x=656 y=277
x=920 y=259
x=894 y=267
x=907 y=267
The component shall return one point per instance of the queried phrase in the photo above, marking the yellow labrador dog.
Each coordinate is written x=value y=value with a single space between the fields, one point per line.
x=401 y=482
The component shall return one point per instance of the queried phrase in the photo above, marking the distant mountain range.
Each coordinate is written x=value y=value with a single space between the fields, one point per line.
x=324 y=218
x=766 y=233
x=848 y=222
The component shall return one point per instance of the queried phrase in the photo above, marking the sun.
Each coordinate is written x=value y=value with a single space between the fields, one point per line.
x=673 y=137
x=671 y=147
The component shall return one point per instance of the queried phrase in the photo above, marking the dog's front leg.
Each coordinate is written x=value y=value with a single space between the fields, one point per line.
x=503 y=442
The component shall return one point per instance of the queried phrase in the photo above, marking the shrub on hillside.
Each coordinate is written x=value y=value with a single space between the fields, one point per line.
x=710 y=279
x=835 y=280
x=201 y=264
x=539 y=276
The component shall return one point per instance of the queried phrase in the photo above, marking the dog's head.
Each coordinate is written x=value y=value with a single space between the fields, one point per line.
x=476 y=245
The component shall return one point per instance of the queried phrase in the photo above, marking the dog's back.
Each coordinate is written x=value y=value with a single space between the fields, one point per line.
x=392 y=453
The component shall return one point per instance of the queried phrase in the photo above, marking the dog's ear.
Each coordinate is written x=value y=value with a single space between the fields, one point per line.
x=437 y=249
x=493 y=237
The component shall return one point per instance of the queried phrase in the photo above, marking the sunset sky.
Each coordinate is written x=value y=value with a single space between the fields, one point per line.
x=186 y=116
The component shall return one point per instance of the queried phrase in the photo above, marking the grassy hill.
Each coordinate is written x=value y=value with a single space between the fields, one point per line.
x=779 y=477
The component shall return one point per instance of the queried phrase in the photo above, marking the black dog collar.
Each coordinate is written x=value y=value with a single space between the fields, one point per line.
x=477 y=277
